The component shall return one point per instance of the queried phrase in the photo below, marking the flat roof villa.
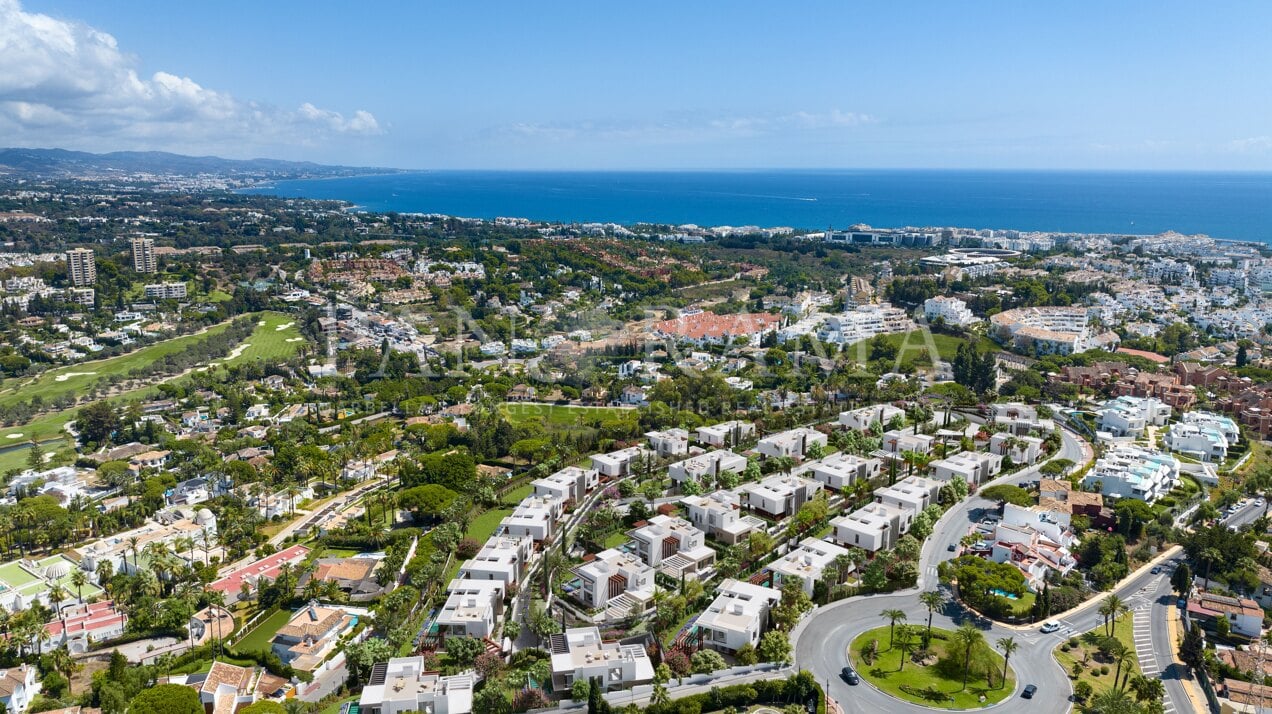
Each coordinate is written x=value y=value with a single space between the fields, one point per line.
x=534 y=517
x=863 y=418
x=873 y=527
x=807 y=562
x=580 y=653
x=668 y=443
x=673 y=546
x=737 y=616
x=403 y=686
x=706 y=466
x=779 y=496
x=618 y=463
x=472 y=608
x=617 y=582
x=719 y=514
x=569 y=484
x=726 y=434
x=841 y=470
x=1133 y=472
x=502 y=558
x=793 y=443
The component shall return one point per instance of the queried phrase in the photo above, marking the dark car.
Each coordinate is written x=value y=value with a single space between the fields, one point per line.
x=849 y=676
x=952 y=547
x=1029 y=691
x=1156 y=569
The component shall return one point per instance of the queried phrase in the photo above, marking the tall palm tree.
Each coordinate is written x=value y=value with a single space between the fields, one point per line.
x=968 y=637
x=1110 y=608
x=79 y=579
x=1119 y=652
x=933 y=601
x=132 y=541
x=105 y=571
x=57 y=595
x=186 y=544
x=1147 y=689
x=893 y=616
x=905 y=642
x=1112 y=701
x=62 y=662
x=1209 y=556
x=1008 y=645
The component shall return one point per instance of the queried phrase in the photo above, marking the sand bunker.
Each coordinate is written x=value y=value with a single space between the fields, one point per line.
x=237 y=351
x=294 y=339
x=280 y=328
x=13 y=436
x=68 y=375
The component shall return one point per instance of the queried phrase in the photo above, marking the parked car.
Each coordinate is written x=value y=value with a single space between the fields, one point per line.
x=1050 y=627
x=1029 y=691
x=1156 y=569
x=952 y=547
x=849 y=676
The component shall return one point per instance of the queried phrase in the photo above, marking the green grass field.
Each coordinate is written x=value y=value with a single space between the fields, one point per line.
x=910 y=344
x=518 y=494
x=1088 y=646
x=79 y=378
x=258 y=640
x=551 y=415
x=887 y=674
x=267 y=342
x=485 y=525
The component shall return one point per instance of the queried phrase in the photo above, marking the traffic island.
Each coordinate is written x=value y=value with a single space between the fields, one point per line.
x=940 y=675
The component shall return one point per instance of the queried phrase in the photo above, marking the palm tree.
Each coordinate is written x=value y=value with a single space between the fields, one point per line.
x=1110 y=608
x=57 y=595
x=893 y=616
x=1008 y=645
x=61 y=661
x=79 y=580
x=1147 y=689
x=1210 y=555
x=905 y=642
x=104 y=572
x=968 y=637
x=1112 y=701
x=186 y=544
x=1119 y=652
x=132 y=541
x=933 y=601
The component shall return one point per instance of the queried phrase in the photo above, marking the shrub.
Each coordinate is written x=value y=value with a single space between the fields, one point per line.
x=1104 y=669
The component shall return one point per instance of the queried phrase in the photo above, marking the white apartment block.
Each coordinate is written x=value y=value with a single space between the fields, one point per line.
x=669 y=443
x=502 y=558
x=973 y=467
x=806 y=562
x=1021 y=449
x=1020 y=418
x=618 y=463
x=535 y=517
x=1049 y=330
x=1225 y=425
x=1129 y=416
x=1202 y=442
x=143 y=255
x=402 y=685
x=719 y=514
x=864 y=418
x=617 y=582
x=841 y=470
x=949 y=310
x=726 y=434
x=81 y=264
x=864 y=322
x=569 y=484
x=580 y=654
x=793 y=443
x=779 y=496
x=873 y=527
x=673 y=546
x=472 y=609
x=737 y=616
x=706 y=467
x=912 y=493
x=166 y=291
x=1133 y=472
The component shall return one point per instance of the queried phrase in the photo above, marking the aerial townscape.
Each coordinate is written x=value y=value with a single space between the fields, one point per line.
x=658 y=358
x=393 y=463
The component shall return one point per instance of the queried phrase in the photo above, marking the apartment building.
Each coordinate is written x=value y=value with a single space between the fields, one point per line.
x=1129 y=416
x=1126 y=471
x=81 y=264
x=143 y=255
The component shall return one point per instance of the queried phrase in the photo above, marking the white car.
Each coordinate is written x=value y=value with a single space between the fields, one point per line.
x=1050 y=627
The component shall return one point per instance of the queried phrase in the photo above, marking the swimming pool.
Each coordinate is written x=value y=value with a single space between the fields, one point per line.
x=1003 y=593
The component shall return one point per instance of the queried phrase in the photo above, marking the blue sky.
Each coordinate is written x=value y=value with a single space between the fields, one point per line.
x=1137 y=85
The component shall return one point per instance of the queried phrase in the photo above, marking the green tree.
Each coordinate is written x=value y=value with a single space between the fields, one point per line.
x=1181 y=580
x=166 y=699
x=775 y=646
x=1007 y=645
x=933 y=600
x=968 y=638
x=707 y=661
x=96 y=422
x=263 y=707
x=746 y=654
x=893 y=616
x=464 y=650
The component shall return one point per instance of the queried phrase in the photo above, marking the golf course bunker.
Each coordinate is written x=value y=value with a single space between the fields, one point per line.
x=69 y=375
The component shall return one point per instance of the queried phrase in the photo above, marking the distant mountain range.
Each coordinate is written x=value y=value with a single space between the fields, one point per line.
x=60 y=163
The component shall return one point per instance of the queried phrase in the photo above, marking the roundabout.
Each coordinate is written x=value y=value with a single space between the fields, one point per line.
x=899 y=664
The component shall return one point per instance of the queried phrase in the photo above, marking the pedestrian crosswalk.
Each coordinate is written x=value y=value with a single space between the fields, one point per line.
x=1142 y=633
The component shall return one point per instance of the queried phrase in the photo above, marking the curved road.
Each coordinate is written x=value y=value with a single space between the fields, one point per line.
x=821 y=640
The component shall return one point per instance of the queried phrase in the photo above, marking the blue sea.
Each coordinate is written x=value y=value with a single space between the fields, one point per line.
x=1224 y=205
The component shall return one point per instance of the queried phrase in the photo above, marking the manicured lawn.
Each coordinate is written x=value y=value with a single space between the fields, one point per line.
x=613 y=540
x=334 y=707
x=908 y=344
x=1088 y=649
x=17 y=458
x=553 y=415
x=1022 y=605
x=887 y=674
x=518 y=494
x=260 y=636
x=277 y=339
x=484 y=526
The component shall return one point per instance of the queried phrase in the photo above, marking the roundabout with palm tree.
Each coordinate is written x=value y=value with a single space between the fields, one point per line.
x=934 y=667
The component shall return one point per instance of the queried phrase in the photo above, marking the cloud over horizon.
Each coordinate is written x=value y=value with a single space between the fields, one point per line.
x=69 y=84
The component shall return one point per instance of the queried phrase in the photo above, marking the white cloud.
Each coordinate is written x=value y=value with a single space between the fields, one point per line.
x=1251 y=145
x=686 y=128
x=68 y=84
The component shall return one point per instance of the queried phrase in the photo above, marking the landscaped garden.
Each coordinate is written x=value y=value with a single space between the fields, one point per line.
x=954 y=670
x=1097 y=662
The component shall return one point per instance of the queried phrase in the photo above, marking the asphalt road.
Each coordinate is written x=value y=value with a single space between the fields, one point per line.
x=1245 y=515
x=822 y=640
